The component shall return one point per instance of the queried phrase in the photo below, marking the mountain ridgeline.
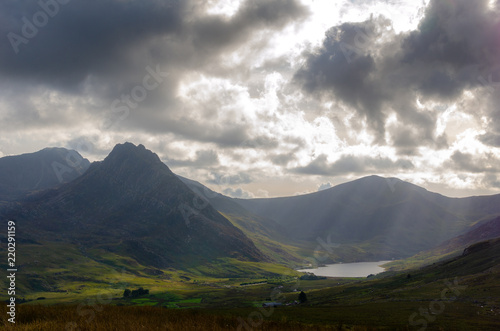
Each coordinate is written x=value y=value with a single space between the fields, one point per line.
x=131 y=204
x=21 y=174
x=376 y=218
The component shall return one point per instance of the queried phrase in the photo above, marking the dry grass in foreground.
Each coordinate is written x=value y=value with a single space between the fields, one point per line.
x=93 y=318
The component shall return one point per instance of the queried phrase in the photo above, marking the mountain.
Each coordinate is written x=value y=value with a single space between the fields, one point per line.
x=375 y=218
x=44 y=169
x=132 y=205
x=486 y=230
x=480 y=232
x=267 y=235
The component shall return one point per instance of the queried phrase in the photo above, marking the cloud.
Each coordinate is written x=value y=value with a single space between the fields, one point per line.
x=490 y=139
x=238 y=193
x=86 y=144
x=282 y=159
x=350 y=164
x=343 y=68
x=324 y=186
x=375 y=72
x=248 y=92
x=97 y=52
x=491 y=180
x=84 y=38
x=486 y=163
x=102 y=38
x=226 y=179
x=203 y=159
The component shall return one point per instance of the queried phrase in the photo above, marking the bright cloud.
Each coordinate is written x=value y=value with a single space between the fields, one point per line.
x=264 y=98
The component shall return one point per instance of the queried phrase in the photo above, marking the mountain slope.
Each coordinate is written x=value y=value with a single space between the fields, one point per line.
x=267 y=235
x=227 y=205
x=486 y=230
x=460 y=293
x=44 y=169
x=375 y=218
x=132 y=205
x=480 y=232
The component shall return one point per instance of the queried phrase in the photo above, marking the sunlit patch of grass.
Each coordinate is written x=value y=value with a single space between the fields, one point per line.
x=63 y=273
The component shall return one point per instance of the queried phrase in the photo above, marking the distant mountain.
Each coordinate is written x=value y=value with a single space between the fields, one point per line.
x=375 y=218
x=132 y=205
x=44 y=169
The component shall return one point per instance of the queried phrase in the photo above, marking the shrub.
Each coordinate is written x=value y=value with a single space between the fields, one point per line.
x=135 y=293
x=302 y=297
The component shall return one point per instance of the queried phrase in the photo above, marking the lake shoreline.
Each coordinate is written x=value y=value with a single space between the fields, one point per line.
x=355 y=269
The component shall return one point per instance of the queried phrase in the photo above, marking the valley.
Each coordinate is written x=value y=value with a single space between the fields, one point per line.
x=250 y=165
x=209 y=261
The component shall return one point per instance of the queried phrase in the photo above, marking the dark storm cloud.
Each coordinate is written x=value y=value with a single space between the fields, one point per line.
x=234 y=135
x=215 y=33
x=283 y=159
x=261 y=142
x=224 y=133
x=203 y=158
x=490 y=139
x=343 y=68
x=82 y=38
x=349 y=164
x=459 y=41
x=226 y=179
x=487 y=163
x=103 y=37
x=101 y=50
x=407 y=138
x=456 y=43
x=491 y=180
x=87 y=144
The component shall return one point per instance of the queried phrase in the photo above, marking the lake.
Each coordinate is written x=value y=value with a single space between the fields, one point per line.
x=359 y=269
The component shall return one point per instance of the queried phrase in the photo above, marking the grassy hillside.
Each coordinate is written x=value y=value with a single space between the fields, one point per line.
x=62 y=273
x=481 y=231
x=458 y=294
x=279 y=252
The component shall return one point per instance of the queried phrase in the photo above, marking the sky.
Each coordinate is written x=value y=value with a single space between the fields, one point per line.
x=262 y=98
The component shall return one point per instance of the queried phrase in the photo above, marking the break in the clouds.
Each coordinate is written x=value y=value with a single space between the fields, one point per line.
x=257 y=97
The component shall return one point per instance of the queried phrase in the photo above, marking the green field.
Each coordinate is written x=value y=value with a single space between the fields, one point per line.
x=458 y=294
